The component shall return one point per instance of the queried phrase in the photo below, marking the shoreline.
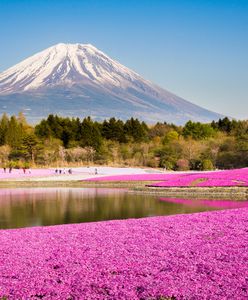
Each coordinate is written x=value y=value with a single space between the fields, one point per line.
x=136 y=180
x=238 y=193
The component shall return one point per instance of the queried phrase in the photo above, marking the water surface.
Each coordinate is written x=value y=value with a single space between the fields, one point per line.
x=25 y=207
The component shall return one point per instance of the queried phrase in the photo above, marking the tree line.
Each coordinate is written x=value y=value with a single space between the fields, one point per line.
x=57 y=140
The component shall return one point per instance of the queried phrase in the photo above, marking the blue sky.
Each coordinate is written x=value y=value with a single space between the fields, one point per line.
x=196 y=49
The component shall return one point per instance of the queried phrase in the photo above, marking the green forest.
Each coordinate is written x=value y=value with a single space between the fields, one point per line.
x=56 y=141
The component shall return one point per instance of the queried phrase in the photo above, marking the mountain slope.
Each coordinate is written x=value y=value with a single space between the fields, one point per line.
x=80 y=80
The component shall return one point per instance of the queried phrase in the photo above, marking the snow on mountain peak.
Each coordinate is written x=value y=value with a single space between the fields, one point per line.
x=79 y=79
x=64 y=64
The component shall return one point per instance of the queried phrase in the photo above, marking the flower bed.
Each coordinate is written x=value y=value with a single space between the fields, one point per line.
x=197 y=256
x=238 y=177
x=19 y=173
x=138 y=177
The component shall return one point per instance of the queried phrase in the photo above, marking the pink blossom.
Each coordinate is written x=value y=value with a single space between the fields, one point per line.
x=237 y=177
x=197 y=256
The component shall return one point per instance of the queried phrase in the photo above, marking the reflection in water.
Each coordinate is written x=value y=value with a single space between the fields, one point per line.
x=22 y=207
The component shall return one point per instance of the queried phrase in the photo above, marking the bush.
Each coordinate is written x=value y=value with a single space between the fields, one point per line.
x=182 y=165
x=196 y=164
x=207 y=165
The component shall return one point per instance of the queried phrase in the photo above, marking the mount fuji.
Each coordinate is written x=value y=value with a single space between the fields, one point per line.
x=78 y=80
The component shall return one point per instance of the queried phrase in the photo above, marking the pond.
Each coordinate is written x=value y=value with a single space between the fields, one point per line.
x=26 y=207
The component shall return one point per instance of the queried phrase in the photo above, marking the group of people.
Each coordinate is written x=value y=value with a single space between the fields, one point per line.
x=63 y=171
x=5 y=169
x=96 y=171
x=11 y=168
x=60 y=171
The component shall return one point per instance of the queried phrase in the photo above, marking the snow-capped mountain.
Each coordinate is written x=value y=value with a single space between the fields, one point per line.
x=80 y=80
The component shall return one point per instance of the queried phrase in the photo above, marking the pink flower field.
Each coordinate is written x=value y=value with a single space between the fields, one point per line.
x=237 y=177
x=197 y=256
x=15 y=174
x=135 y=177
x=79 y=172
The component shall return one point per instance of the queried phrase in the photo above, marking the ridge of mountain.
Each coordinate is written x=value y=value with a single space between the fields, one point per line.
x=78 y=80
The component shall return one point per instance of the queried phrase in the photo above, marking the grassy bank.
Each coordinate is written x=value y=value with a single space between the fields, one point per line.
x=234 y=193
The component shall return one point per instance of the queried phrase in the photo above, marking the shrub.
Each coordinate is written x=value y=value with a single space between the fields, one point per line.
x=207 y=165
x=182 y=165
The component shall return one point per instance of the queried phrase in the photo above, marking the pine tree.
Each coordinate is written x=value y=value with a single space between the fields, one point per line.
x=90 y=134
x=4 y=123
x=14 y=133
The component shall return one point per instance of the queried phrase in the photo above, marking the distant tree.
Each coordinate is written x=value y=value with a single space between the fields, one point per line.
x=170 y=136
x=66 y=135
x=4 y=155
x=191 y=149
x=55 y=126
x=43 y=130
x=113 y=130
x=79 y=154
x=227 y=157
x=14 y=133
x=182 y=165
x=76 y=129
x=65 y=129
x=51 y=151
x=168 y=155
x=29 y=146
x=223 y=125
x=21 y=119
x=90 y=134
x=136 y=130
x=4 y=124
x=197 y=130
x=207 y=165
x=159 y=129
